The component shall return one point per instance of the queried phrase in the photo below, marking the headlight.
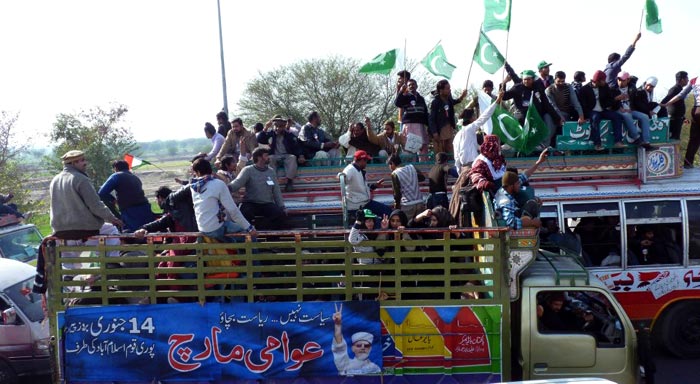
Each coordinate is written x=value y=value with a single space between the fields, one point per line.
x=41 y=347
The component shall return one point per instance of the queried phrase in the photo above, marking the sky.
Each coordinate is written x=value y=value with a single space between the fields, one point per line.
x=161 y=57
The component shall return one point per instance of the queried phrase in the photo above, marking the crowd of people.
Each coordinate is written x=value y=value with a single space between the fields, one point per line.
x=242 y=158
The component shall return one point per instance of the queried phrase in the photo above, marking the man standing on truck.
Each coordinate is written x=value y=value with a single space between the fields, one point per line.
x=361 y=348
x=76 y=209
x=133 y=205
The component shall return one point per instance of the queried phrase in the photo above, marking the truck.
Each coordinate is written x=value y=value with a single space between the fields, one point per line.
x=24 y=335
x=468 y=305
x=18 y=240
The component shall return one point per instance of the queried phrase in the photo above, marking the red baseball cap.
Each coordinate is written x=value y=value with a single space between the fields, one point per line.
x=362 y=155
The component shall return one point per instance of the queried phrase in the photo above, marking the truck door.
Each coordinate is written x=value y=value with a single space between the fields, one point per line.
x=15 y=337
x=575 y=333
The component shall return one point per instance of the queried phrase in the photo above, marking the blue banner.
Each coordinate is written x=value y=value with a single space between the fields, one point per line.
x=184 y=342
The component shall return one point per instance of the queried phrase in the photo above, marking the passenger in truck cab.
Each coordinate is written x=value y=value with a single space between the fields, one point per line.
x=556 y=314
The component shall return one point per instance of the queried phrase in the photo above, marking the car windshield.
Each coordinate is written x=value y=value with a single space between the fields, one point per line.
x=27 y=301
x=21 y=245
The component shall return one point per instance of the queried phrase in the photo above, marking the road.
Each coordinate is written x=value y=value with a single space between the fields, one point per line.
x=669 y=371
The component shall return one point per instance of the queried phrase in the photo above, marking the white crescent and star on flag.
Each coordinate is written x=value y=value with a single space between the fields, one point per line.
x=506 y=10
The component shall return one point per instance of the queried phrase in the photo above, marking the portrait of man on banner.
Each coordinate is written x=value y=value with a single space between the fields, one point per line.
x=361 y=347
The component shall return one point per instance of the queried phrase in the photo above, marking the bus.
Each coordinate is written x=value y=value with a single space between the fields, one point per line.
x=642 y=240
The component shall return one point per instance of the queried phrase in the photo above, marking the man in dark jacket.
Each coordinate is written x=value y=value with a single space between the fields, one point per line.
x=523 y=94
x=598 y=103
x=676 y=110
x=134 y=207
x=283 y=148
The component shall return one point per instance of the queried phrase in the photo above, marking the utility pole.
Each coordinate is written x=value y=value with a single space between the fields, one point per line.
x=221 y=51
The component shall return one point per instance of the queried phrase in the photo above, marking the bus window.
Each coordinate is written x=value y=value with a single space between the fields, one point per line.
x=654 y=231
x=597 y=226
x=694 y=231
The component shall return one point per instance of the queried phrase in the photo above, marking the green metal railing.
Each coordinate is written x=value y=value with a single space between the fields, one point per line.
x=294 y=267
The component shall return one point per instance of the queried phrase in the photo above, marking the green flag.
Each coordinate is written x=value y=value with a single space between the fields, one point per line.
x=496 y=15
x=535 y=130
x=507 y=128
x=486 y=54
x=522 y=139
x=382 y=63
x=436 y=63
x=653 y=21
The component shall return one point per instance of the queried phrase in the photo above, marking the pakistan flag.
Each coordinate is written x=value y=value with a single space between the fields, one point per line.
x=521 y=139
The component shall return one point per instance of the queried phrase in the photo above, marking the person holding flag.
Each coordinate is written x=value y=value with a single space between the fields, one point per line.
x=465 y=144
x=525 y=93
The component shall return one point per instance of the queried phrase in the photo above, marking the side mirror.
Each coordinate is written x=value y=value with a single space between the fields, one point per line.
x=9 y=316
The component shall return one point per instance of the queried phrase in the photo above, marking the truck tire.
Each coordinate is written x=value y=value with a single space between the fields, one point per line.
x=7 y=374
x=680 y=330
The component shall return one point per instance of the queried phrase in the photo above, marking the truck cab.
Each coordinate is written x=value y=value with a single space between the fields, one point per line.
x=24 y=335
x=571 y=326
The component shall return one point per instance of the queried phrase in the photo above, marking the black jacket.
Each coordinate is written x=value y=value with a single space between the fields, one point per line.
x=677 y=109
x=290 y=142
x=587 y=99
x=415 y=110
x=641 y=103
x=520 y=94
x=441 y=114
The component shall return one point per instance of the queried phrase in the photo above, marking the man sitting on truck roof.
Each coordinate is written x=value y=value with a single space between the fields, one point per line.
x=505 y=202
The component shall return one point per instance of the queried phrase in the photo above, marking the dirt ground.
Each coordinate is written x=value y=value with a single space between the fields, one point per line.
x=151 y=178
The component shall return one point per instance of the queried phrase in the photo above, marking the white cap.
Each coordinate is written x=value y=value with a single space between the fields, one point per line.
x=362 y=336
x=652 y=81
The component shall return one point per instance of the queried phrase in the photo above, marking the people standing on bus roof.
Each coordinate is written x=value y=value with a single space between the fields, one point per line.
x=414 y=113
x=615 y=62
x=441 y=120
x=675 y=104
x=465 y=143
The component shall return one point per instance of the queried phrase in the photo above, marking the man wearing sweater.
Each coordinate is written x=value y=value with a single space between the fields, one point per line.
x=404 y=181
x=357 y=191
x=77 y=212
x=212 y=201
x=263 y=197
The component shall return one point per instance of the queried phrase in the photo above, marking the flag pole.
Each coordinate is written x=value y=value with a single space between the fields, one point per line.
x=471 y=63
x=503 y=73
x=641 y=20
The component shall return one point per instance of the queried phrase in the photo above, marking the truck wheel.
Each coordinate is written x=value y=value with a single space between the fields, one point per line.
x=7 y=374
x=680 y=331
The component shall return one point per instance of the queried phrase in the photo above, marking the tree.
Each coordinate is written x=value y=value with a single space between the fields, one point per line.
x=14 y=176
x=99 y=133
x=331 y=86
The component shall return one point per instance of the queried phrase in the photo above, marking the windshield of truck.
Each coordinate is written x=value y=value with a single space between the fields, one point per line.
x=21 y=245
x=27 y=301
